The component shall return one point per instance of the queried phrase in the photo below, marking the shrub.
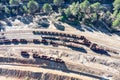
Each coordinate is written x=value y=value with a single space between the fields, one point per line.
x=62 y=18
x=58 y=2
x=7 y=11
x=116 y=23
x=25 y=9
x=11 y=2
x=33 y=6
x=47 y=8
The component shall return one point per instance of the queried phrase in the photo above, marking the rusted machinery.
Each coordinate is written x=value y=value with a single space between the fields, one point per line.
x=54 y=34
x=50 y=37
x=23 y=41
x=7 y=41
x=15 y=41
x=55 y=44
x=25 y=54
x=44 y=41
x=59 y=60
x=93 y=46
x=58 y=38
x=36 y=41
x=86 y=42
x=37 y=56
x=99 y=49
x=76 y=44
x=58 y=34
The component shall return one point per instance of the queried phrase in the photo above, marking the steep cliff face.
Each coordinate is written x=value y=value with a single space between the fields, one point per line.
x=34 y=75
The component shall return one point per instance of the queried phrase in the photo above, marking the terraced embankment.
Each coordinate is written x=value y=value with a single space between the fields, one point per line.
x=58 y=56
x=37 y=73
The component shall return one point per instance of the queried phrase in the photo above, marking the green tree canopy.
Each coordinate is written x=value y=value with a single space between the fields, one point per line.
x=75 y=9
x=58 y=2
x=7 y=10
x=116 y=4
x=47 y=8
x=33 y=6
x=96 y=6
x=93 y=17
x=11 y=2
x=25 y=9
x=67 y=12
x=115 y=13
x=116 y=23
x=84 y=5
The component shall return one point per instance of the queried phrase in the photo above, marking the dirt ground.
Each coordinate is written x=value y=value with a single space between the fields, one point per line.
x=90 y=62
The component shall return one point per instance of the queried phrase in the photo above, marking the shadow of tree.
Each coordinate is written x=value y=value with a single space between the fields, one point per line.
x=8 y=22
x=98 y=27
x=26 y=19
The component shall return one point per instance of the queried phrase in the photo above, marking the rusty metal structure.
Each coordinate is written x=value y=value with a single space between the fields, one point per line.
x=25 y=54
x=59 y=39
x=37 y=56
